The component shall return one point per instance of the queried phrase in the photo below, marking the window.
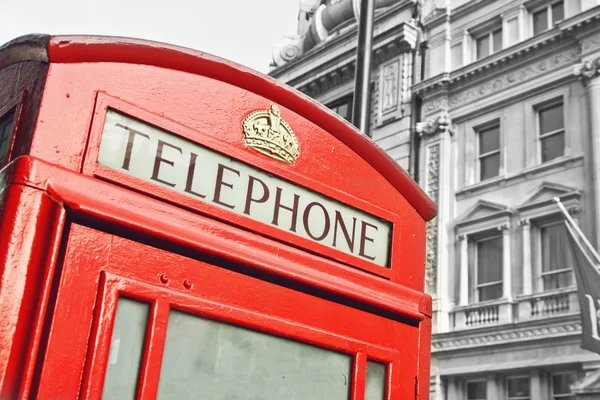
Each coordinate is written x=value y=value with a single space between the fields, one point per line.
x=557 y=257
x=518 y=388
x=551 y=127
x=477 y=390
x=561 y=383
x=456 y=56
x=489 y=268
x=489 y=152
x=488 y=43
x=342 y=107
x=6 y=130
x=546 y=17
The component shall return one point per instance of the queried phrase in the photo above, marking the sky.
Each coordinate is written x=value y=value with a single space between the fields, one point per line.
x=244 y=31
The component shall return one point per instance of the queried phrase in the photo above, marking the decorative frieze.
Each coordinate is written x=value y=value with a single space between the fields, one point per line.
x=590 y=43
x=494 y=338
x=433 y=167
x=515 y=78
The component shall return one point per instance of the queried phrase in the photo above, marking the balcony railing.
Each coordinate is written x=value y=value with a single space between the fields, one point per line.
x=548 y=304
x=481 y=314
x=524 y=308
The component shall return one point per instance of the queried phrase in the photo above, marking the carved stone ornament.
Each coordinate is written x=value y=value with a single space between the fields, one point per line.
x=432 y=127
x=432 y=226
x=588 y=69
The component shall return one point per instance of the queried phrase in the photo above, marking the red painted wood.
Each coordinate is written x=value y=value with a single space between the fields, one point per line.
x=153 y=352
x=93 y=168
x=30 y=220
x=242 y=301
x=89 y=199
x=70 y=228
x=81 y=49
x=359 y=377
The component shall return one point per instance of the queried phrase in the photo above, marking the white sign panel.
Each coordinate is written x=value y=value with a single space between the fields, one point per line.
x=159 y=157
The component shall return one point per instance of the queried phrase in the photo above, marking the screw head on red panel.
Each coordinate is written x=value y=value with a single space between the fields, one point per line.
x=187 y=284
x=164 y=278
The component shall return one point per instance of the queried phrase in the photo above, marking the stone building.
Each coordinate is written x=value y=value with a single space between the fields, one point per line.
x=494 y=108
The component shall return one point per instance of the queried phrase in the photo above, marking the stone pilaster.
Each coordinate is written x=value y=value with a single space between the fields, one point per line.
x=527 y=265
x=436 y=135
x=590 y=73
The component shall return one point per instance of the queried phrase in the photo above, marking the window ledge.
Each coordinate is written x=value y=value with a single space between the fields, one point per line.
x=565 y=290
x=502 y=181
x=481 y=304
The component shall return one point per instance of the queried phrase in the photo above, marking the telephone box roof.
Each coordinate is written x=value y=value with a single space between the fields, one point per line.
x=80 y=49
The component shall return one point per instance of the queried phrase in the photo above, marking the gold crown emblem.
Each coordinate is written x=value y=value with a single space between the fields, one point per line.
x=266 y=132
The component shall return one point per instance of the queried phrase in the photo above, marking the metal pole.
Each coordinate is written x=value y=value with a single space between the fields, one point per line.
x=362 y=75
x=574 y=226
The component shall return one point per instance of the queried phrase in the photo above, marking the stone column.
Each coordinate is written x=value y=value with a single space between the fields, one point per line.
x=463 y=298
x=590 y=72
x=437 y=153
x=506 y=262
x=527 y=266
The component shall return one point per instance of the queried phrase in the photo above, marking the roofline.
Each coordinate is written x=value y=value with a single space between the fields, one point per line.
x=80 y=49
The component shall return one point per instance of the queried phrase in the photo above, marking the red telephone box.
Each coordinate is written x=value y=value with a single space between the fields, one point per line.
x=176 y=226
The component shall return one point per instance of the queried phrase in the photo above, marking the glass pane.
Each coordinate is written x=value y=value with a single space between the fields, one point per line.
x=456 y=56
x=477 y=390
x=342 y=110
x=561 y=383
x=558 y=12
x=126 y=347
x=489 y=139
x=489 y=166
x=375 y=386
x=6 y=127
x=518 y=388
x=483 y=46
x=540 y=21
x=558 y=280
x=489 y=260
x=551 y=119
x=497 y=36
x=512 y=33
x=226 y=362
x=491 y=292
x=553 y=146
x=556 y=250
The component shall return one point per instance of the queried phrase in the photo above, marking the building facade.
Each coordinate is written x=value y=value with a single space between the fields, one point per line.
x=494 y=107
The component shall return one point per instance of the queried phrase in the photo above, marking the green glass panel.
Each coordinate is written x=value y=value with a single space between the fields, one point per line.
x=375 y=385
x=205 y=359
x=126 y=348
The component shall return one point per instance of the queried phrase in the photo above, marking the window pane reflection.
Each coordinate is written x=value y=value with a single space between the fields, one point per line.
x=126 y=347
x=375 y=385
x=213 y=360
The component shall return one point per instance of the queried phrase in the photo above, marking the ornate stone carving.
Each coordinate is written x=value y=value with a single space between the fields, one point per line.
x=588 y=69
x=524 y=222
x=432 y=127
x=590 y=43
x=515 y=78
x=570 y=329
x=432 y=226
x=389 y=90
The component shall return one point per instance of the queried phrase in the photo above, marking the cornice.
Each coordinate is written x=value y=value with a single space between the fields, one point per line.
x=402 y=41
x=564 y=35
x=548 y=329
x=336 y=39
